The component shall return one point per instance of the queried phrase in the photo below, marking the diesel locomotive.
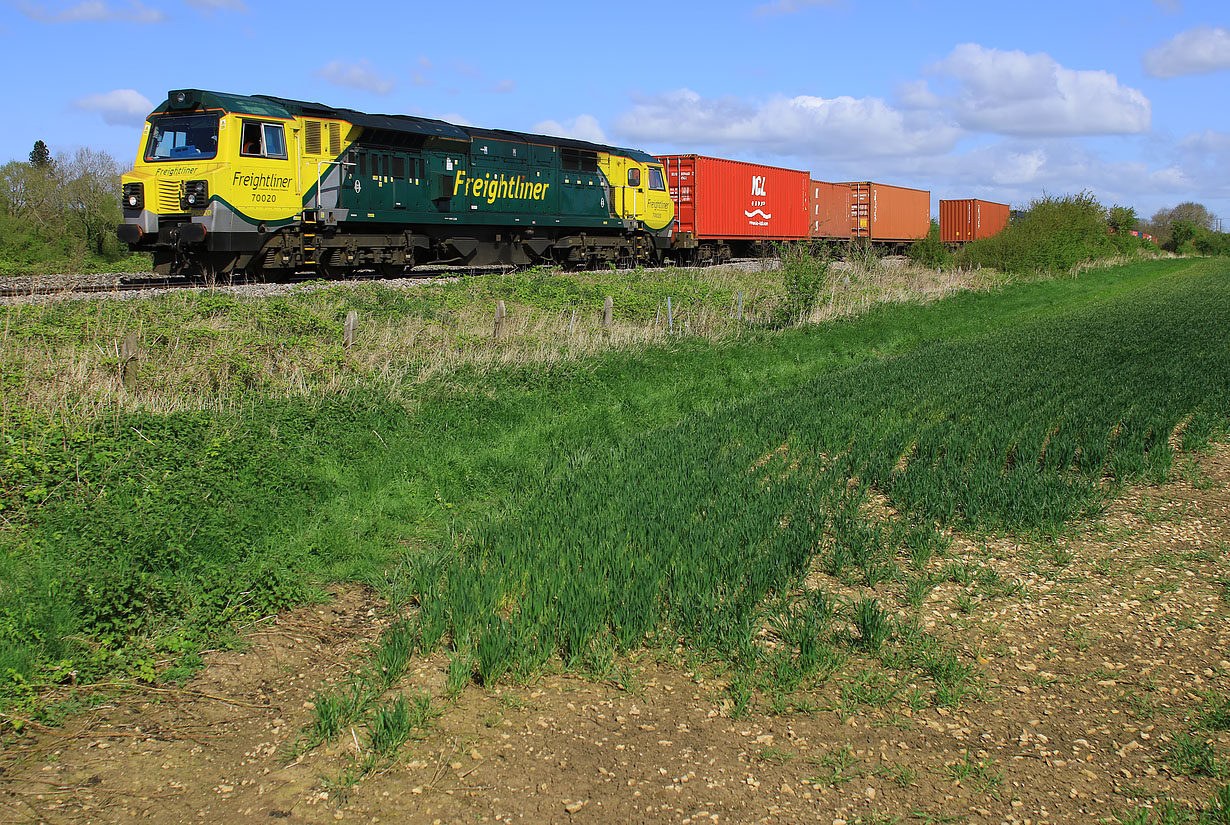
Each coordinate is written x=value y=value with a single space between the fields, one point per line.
x=260 y=186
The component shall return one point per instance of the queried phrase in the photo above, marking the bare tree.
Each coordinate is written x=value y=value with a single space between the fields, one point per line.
x=89 y=182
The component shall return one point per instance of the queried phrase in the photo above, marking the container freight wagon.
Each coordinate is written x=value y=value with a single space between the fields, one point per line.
x=727 y=207
x=970 y=219
x=886 y=214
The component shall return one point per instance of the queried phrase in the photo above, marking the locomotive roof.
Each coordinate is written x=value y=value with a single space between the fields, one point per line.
x=281 y=107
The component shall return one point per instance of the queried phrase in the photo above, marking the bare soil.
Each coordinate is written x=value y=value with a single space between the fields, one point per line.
x=1113 y=648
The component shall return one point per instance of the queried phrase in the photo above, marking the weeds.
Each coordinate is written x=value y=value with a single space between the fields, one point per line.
x=778 y=756
x=977 y=771
x=389 y=727
x=1216 y=713
x=839 y=767
x=1190 y=756
x=1168 y=812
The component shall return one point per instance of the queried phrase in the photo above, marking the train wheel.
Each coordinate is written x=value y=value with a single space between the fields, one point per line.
x=333 y=265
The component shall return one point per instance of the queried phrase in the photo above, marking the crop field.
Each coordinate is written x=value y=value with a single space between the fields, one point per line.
x=958 y=562
x=707 y=529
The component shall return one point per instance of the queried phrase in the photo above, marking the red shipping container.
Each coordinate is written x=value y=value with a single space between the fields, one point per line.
x=830 y=210
x=971 y=219
x=719 y=199
x=880 y=212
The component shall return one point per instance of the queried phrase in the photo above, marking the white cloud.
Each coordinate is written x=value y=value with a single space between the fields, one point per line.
x=360 y=75
x=504 y=87
x=121 y=107
x=581 y=127
x=1206 y=155
x=916 y=94
x=211 y=6
x=1014 y=93
x=791 y=6
x=95 y=11
x=1208 y=142
x=1200 y=50
x=800 y=126
x=1169 y=6
x=1016 y=171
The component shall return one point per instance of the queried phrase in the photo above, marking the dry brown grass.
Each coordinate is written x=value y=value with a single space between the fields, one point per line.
x=66 y=359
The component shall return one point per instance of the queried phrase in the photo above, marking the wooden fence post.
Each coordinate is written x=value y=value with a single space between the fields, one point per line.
x=128 y=362
x=608 y=312
x=352 y=319
x=499 y=318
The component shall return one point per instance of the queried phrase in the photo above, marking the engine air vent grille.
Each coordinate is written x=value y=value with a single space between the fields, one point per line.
x=168 y=197
x=311 y=137
x=335 y=139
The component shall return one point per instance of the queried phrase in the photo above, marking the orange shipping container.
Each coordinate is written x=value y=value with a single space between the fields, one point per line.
x=880 y=212
x=830 y=210
x=971 y=219
x=732 y=200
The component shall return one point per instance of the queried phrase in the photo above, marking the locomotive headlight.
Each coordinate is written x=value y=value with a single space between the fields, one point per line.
x=194 y=195
x=134 y=196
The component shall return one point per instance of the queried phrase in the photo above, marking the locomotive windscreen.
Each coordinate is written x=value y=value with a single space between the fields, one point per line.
x=183 y=137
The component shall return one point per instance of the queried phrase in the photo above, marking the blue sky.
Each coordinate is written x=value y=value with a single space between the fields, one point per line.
x=993 y=100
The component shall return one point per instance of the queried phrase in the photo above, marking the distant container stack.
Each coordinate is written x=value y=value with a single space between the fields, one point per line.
x=971 y=219
x=729 y=200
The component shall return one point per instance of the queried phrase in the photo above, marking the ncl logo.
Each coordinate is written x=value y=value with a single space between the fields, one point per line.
x=757 y=212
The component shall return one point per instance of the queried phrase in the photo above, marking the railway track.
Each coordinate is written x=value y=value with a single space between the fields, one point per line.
x=72 y=286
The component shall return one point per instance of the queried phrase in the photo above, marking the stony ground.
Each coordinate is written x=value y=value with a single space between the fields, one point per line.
x=1093 y=676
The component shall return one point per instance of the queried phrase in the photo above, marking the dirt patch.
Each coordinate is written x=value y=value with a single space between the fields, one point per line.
x=1111 y=649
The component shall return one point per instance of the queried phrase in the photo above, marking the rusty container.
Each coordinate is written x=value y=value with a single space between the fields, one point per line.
x=970 y=219
x=830 y=210
x=881 y=212
x=719 y=199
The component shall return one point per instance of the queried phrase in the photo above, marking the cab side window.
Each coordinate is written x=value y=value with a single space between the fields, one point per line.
x=656 y=182
x=263 y=140
x=251 y=143
x=634 y=177
x=275 y=140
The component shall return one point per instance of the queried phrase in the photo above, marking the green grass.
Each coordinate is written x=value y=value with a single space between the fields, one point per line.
x=1193 y=756
x=1169 y=812
x=131 y=539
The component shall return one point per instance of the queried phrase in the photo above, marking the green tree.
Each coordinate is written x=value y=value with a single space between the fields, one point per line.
x=1183 y=231
x=1122 y=219
x=62 y=214
x=40 y=155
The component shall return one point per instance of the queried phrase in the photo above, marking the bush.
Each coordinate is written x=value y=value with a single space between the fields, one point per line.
x=1053 y=235
x=931 y=251
x=804 y=274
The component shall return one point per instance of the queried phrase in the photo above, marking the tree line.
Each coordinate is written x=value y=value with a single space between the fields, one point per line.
x=1188 y=228
x=59 y=213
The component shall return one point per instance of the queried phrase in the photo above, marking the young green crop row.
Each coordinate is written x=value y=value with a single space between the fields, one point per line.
x=704 y=532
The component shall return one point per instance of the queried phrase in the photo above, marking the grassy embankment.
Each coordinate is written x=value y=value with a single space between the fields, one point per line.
x=135 y=530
